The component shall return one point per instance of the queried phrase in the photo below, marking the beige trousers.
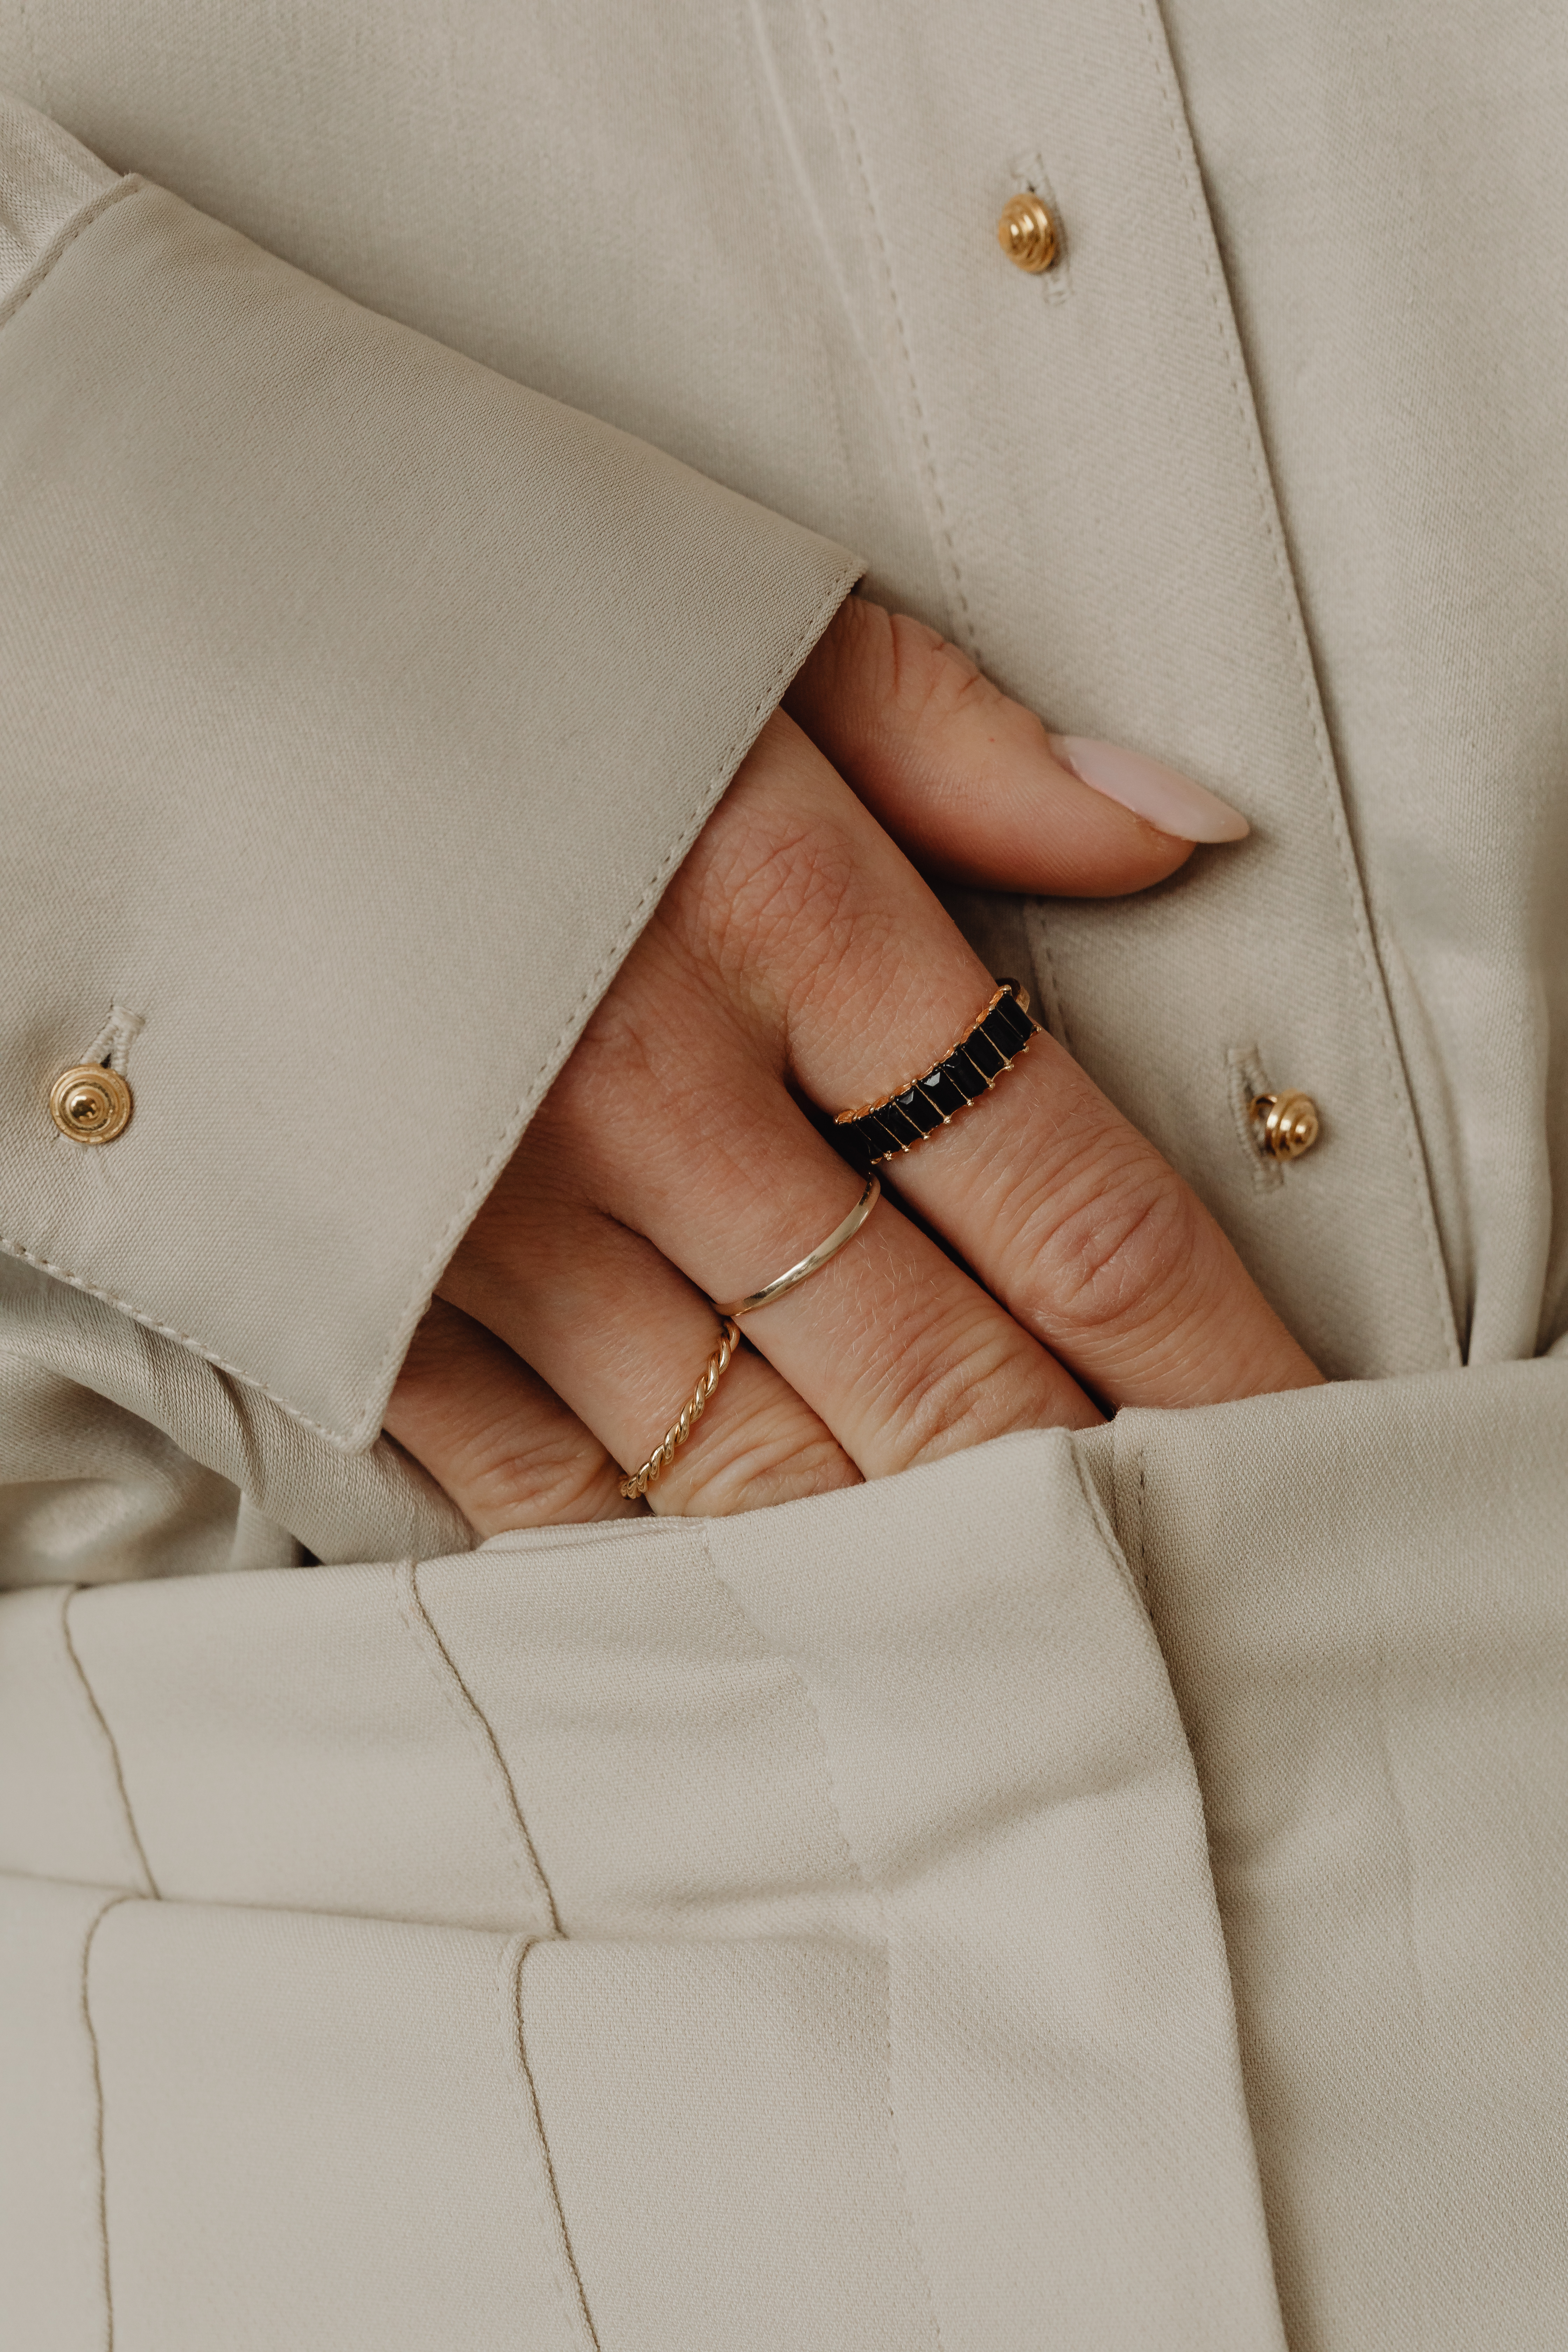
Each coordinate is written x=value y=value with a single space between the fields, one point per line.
x=799 y=1930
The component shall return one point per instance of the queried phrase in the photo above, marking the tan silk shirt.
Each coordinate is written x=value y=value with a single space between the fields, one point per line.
x=1108 y=1891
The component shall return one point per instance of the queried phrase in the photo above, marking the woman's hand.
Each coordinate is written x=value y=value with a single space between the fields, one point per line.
x=798 y=957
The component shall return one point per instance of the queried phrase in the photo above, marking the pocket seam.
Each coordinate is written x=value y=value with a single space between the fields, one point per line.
x=564 y=2265
x=873 y=1896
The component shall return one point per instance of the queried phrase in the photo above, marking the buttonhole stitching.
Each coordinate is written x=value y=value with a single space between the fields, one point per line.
x=1031 y=179
x=1245 y=1080
x=111 y=1046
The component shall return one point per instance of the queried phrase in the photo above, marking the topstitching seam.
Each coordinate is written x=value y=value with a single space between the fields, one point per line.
x=965 y=631
x=1273 y=531
x=90 y=1697
x=873 y=1896
x=729 y=760
x=149 y=1322
x=1109 y=1536
x=93 y=210
x=499 y=1782
x=568 y=2277
x=102 y=2184
x=349 y=1440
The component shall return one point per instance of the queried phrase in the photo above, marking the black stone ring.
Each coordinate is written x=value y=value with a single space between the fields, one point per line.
x=987 y=1047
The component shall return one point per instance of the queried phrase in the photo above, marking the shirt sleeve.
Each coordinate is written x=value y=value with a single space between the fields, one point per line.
x=358 y=703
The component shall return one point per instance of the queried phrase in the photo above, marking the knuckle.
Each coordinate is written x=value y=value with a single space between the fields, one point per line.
x=614 y=1052
x=505 y=1483
x=1124 y=1253
x=486 y=1428
x=645 y=1041
x=957 y=1383
x=778 y=891
x=773 y=1452
x=930 y=682
x=888 y=673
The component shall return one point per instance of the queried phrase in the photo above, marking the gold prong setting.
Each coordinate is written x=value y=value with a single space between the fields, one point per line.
x=969 y=1068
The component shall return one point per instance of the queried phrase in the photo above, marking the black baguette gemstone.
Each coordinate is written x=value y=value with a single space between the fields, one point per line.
x=903 y=1129
x=918 y=1108
x=875 y=1136
x=963 y=1073
x=1009 y=1025
x=1000 y=1039
x=987 y=1058
x=940 y=1090
x=908 y=1118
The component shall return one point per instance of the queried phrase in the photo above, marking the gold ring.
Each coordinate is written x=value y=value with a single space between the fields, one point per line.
x=806 y=1266
x=692 y=1413
x=969 y=1068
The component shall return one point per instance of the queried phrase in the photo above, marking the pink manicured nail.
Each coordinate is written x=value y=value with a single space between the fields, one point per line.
x=1172 y=802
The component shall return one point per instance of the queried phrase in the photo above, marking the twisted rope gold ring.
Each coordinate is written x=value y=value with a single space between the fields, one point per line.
x=692 y=1413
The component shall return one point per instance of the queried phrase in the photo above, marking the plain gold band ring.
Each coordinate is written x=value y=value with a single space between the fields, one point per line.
x=807 y=1267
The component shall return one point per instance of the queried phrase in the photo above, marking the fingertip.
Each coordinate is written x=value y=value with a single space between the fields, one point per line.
x=1031 y=825
x=1173 y=804
x=970 y=785
x=1151 y=857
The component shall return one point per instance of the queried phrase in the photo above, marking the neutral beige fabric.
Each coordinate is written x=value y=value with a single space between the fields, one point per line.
x=388 y=2185
x=53 y=2278
x=1408 y=354
x=51 y=189
x=62 y=1799
x=301 y=584
x=818 y=1906
x=95 y=1491
x=840 y=339
x=843 y=1818
x=1362 y=1596
x=795 y=287
x=879 y=1996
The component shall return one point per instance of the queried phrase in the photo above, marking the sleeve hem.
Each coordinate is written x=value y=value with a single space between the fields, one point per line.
x=63 y=239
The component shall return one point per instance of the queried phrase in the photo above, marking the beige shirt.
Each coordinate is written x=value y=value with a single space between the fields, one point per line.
x=358 y=702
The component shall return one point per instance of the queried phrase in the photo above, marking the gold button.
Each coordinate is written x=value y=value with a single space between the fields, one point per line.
x=1287 y=1125
x=90 y=1104
x=1027 y=235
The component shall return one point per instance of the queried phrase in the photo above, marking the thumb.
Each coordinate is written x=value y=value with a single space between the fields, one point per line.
x=969 y=783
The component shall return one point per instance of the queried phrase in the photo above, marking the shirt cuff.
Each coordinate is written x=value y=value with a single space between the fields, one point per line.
x=359 y=705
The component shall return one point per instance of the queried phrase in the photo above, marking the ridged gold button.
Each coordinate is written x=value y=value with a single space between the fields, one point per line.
x=1027 y=235
x=1287 y=1125
x=90 y=1104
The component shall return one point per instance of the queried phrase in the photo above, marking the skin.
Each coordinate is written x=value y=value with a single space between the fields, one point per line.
x=798 y=959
